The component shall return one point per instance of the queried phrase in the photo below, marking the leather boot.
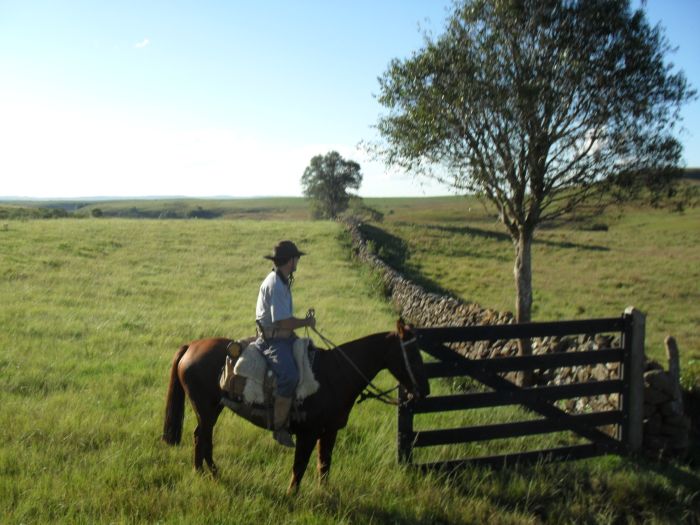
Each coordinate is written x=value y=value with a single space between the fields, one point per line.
x=281 y=415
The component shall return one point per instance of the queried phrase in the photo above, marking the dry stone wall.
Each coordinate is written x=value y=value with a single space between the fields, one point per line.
x=665 y=429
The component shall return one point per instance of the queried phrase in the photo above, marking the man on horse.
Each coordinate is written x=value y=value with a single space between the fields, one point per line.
x=274 y=316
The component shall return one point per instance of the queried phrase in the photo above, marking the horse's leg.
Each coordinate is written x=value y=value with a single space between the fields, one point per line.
x=325 y=451
x=305 y=445
x=197 y=371
x=203 y=437
x=190 y=385
x=209 y=441
x=198 y=445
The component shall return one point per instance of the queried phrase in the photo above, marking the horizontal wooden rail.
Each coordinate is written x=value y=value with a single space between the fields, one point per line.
x=429 y=438
x=520 y=331
x=499 y=383
x=531 y=362
x=502 y=391
x=510 y=397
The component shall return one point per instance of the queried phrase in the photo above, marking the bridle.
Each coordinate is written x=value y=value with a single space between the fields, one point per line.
x=407 y=362
x=372 y=391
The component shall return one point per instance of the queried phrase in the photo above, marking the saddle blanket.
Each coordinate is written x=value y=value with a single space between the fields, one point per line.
x=252 y=366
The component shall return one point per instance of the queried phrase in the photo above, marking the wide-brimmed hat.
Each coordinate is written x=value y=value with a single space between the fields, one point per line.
x=284 y=251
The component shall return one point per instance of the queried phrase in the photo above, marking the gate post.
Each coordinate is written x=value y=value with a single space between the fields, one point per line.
x=633 y=400
x=405 y=428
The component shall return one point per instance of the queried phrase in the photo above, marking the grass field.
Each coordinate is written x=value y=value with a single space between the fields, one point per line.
x=643 y=257
x=92 y=312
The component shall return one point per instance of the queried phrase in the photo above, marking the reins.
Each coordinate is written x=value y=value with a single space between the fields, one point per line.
x=371 y=391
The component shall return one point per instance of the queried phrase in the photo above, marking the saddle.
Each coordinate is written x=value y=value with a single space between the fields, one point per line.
x=248 y=385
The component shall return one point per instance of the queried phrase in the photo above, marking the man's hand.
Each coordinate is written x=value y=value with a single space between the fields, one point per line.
x=311 y=322
x=311 y=318
x=294 y=322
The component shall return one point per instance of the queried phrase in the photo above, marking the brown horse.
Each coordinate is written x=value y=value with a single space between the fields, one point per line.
x=343 y=374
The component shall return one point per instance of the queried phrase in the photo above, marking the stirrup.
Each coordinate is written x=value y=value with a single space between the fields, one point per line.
x=283 y=437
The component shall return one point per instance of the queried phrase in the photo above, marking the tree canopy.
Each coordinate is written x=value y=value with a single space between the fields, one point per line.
x=325 y=182
x=538 y=105
x=541 y=106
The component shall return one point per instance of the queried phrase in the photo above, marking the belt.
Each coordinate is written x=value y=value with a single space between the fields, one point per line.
x=275 y=333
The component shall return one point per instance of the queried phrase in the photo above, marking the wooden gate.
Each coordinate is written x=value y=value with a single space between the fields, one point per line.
x=540 y=400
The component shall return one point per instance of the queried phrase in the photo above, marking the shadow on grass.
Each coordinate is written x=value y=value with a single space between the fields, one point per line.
x=391 y=249
x=502 y=237
x=619 y=491
x=674 y=472
x=474 y=232
x=394 y=251
x=334 y=504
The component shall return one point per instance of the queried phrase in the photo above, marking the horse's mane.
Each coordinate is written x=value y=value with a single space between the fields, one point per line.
x=354 y=342
x=358 y=351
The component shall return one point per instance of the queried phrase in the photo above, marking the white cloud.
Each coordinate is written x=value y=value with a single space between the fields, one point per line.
x=142 y=44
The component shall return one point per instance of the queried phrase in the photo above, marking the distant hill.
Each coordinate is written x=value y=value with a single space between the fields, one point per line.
x=174 y=207
x=158 y=208
x=692 y=174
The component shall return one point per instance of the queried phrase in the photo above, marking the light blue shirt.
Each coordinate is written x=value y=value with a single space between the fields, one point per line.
x=274 y=301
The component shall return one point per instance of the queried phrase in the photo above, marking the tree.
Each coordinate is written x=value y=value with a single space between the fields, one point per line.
x=540 y=106
x=325 y=182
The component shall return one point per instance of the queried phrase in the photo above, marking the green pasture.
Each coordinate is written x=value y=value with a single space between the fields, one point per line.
x=93 y=310
x=639 y=256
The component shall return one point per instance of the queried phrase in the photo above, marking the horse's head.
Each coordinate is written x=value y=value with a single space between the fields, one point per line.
x=405 y=362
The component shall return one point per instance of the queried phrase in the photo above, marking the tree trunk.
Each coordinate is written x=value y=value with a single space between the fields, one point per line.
x=523 y=277
x=523 y=294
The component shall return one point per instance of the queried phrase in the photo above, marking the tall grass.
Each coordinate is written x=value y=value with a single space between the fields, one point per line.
x=92 y=312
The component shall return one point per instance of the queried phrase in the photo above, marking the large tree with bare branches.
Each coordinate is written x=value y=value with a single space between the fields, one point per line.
x=541 y=106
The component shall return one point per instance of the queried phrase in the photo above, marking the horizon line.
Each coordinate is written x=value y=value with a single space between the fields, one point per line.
x=98 y=198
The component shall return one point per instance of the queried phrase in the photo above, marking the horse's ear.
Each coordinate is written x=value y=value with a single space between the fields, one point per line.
x=400 y=326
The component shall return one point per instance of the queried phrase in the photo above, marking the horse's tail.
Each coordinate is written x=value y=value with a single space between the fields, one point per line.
x=175 y=403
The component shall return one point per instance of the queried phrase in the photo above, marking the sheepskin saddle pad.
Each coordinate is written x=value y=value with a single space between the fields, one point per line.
x=249 y=379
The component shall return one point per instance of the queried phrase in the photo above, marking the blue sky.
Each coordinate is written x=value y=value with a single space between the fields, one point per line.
x=218 y=98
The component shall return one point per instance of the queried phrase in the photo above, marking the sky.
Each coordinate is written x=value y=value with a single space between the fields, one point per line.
x=220 y=98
